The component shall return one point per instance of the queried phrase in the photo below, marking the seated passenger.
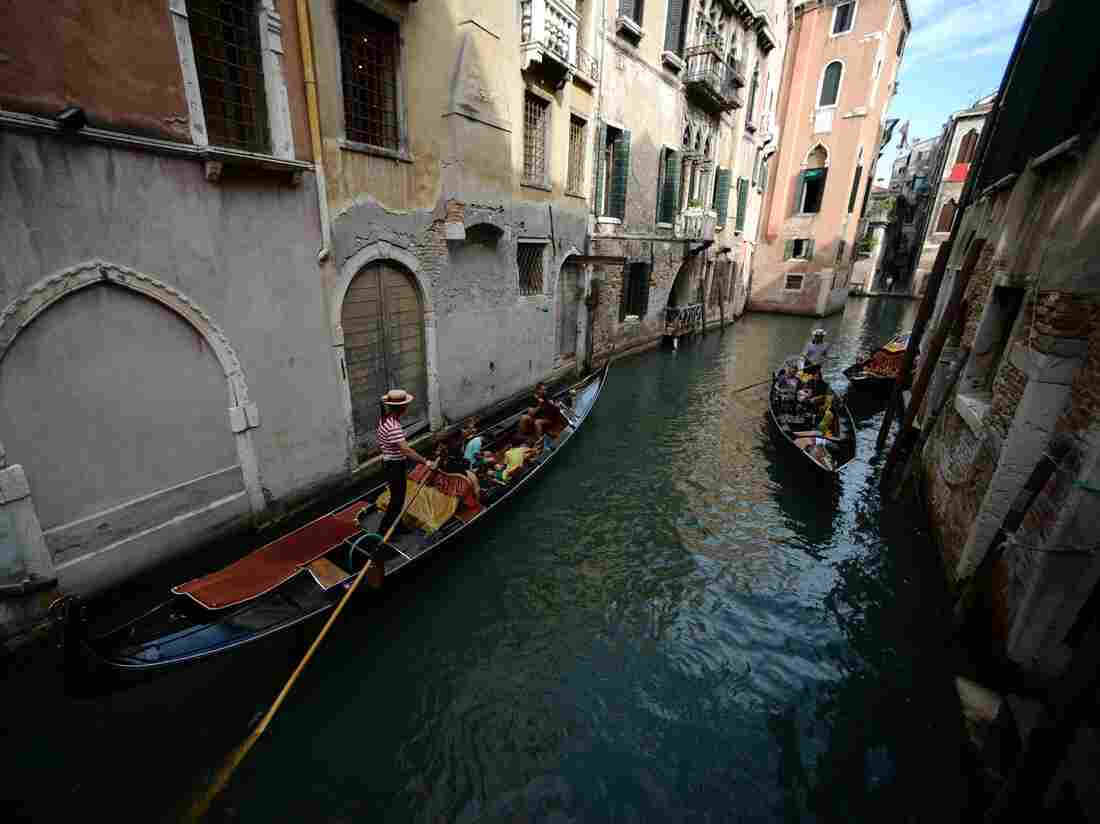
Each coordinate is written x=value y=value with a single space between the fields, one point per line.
x=472 y=452
x=515 y=458
x=539 y=414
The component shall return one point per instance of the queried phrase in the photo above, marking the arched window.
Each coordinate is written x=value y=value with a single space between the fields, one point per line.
x=813 y=181
x=947 y=217
x=830 y=84
x=967 y=147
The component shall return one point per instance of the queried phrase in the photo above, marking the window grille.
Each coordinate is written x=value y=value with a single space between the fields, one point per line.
x=529 y=261
x=535 y=111
x=368 y=62
x=225 y=36
x=793 y=282
x=576 y=156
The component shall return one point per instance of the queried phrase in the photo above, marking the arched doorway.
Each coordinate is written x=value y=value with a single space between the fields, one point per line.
x=685 y=300
x=382 y=317
x=111 y=398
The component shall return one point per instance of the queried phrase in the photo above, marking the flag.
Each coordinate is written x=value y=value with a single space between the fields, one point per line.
x=904 y=139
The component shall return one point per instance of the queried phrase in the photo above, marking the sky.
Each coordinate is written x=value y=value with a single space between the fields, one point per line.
x=957 y=52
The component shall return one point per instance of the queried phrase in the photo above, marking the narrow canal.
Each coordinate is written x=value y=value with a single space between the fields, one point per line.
x=677 y=622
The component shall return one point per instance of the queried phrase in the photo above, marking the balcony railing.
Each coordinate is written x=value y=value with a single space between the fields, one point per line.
x=548 y=28
x=714 y=82
x=695 y=224
x=587 y=65
x=680 y=320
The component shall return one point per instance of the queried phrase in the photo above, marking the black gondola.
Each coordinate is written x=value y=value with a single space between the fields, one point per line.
x=791 y=416
x=303 y=574
x=881 y=368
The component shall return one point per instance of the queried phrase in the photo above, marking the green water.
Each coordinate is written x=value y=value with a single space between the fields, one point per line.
x=679 y=621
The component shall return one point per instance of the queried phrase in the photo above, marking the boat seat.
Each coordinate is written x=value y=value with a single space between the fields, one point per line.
x=326 y=573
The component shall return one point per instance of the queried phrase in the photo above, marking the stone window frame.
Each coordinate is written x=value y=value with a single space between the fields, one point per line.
x=275 y=88
x=851 y=23
x=818 y=106
x=547 y=139
x=403 y=152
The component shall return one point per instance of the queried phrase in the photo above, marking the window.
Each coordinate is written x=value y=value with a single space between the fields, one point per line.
x=752 y=96
x=632 y=9
x=613 y=173
x=676 y=26
x=793 y=283
x=764 y=176
x=575 y=185
x=855 y=183
x=368 y=64
x=799 y=249
x=536 y=116
x=225 y=37
x=947 y=217
x=529 y=255
x=830 y=84
x=843 y=17
x=967 y=147
x=840 y=244
x=722 y=195
x=635 y=295
x=668 y=186
x=813 y=190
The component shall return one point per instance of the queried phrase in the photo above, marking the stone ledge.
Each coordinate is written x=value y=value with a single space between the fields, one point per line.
x=973 y=409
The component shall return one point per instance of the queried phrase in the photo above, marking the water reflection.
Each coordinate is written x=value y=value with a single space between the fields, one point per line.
x=679 y=622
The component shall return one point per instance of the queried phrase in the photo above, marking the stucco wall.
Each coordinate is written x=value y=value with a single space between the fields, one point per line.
x=239 y=253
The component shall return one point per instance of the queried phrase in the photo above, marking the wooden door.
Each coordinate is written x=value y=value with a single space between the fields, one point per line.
x=383 y=323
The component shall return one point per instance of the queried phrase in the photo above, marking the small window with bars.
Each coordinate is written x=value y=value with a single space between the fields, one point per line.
x=529 y=259
x=368 y=65
x=536 y=116
x=793 y=283
x=225 y=37
x=575 y=185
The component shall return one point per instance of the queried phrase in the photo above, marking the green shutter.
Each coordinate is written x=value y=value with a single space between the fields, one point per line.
x=763 y=176
x=799 y=191
x=620 y=176
x=601 y=139
x=723 y=197
x=626 y=9
x=752 y=94
x=674 y=26
x=788 y=250
x=742 y=203
x=810 y=249
x=671 y=194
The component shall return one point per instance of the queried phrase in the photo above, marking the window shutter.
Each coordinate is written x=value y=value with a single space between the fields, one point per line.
x=742 y=203
x=619 y=177
x=643 y=290
x=674 y=26
x=626 y=8
x=763 y=176
x=788 y=250
x=752 y=94
x=601 y=139
x=800 y=190
x=855 y=189
x=723 y=196
x=671 y=194
x=810 y=249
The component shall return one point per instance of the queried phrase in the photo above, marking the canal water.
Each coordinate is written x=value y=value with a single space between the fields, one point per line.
x=678 y=621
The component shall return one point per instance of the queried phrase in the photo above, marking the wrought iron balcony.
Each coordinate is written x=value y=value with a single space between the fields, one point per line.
x=695 y=224
x=548 y=34
x=712 y=81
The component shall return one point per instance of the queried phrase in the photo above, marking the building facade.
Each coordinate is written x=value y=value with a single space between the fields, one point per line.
x=684 y=108
x=1017 y=380
x=164 y=362
x=952 y=160
x=839 y=76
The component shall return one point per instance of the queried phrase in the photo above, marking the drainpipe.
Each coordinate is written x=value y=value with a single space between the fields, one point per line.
x=305 y=41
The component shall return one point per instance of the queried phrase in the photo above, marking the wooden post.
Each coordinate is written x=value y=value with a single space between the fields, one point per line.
x=928 y=303
x=928 y=365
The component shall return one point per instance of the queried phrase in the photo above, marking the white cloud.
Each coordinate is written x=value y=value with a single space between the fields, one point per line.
x=977 y=28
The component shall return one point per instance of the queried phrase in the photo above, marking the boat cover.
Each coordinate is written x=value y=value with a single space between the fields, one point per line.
x=272 y=564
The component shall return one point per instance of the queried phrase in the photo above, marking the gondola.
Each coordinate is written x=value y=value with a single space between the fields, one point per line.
x=882 y=367
x=303 y=574
x=790 y=416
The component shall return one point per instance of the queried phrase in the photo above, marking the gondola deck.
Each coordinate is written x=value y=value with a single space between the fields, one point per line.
x=302 y=574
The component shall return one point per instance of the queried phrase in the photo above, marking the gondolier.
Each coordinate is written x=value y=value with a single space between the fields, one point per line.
x=817 y=349
x=395 y=449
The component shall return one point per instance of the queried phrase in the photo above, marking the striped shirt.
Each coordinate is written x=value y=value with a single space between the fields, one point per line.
x=390 y=436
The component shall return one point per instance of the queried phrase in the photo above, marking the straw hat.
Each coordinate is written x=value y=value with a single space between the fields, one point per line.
x=398 y=397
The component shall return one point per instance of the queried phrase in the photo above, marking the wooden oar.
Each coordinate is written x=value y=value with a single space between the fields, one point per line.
x=199 y=807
